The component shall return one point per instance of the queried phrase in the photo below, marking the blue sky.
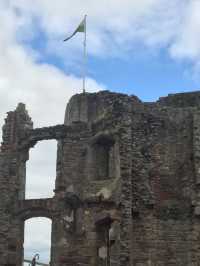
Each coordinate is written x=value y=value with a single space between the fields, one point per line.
x=148 y=77
x=146 y=74
x=148 y=48
x=149 y=72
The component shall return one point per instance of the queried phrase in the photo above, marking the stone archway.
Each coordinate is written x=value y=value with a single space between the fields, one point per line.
x=27 y=209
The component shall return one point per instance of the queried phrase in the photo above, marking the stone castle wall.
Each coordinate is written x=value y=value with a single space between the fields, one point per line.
x=127 y=187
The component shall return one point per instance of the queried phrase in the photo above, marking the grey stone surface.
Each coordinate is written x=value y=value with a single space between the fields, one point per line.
x=127 y=189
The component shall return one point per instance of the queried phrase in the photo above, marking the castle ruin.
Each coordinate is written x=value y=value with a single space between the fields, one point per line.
x=127 y=189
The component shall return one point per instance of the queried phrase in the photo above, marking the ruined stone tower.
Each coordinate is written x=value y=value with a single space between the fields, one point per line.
x=127 y=188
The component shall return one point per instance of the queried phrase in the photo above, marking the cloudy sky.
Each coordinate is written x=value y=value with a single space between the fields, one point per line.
x=144 y=47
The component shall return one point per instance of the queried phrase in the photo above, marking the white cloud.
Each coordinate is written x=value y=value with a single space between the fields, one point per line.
x=115 y=26
x=187 y=43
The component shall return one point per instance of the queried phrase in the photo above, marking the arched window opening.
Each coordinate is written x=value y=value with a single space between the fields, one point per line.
x=37 y=240
x=41 y=170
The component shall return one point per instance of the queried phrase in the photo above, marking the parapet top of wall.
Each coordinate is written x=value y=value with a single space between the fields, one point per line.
x=186 y=99
x=88 y=107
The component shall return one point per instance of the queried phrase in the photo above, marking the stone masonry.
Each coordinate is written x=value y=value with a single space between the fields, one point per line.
x=127 y=189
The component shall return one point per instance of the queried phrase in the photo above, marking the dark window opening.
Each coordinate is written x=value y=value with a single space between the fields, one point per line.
x=103 y=158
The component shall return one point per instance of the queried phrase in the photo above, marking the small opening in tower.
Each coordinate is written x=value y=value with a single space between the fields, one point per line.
x=103 y=157
x=41 y=170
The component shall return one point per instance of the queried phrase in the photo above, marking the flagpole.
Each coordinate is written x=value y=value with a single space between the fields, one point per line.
x=84 y=56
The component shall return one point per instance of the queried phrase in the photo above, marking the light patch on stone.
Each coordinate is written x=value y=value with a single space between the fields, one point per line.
x=63 y=241
x=103 y=252
x=111 y=234
x=69 y=219
x=106 y=193
x=70 y=188
x=197 y=210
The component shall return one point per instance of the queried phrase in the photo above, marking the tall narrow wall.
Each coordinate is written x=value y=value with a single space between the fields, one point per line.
x=12 y=186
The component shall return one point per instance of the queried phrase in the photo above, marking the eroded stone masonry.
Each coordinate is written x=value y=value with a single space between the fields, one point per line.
x=127 y=189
